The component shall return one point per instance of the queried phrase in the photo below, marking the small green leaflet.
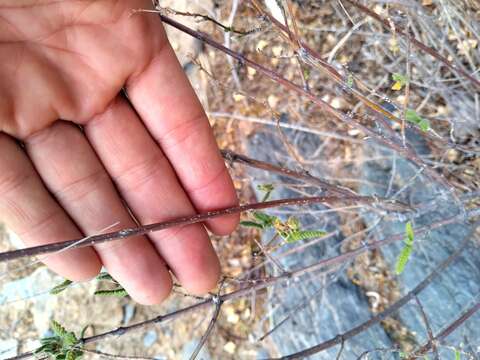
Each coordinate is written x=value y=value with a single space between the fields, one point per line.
x=58 y=329
x=289 y=230
x=61 y=287
x=104 y=276
x=407 y=250
x=457 y=355
x=264 y=219
x=248 y=223
x=412 y=117
x=120 y=292
x=400 y=81
x=350 y=81
x=409 y=233
x=304 y=235
x=62 y=346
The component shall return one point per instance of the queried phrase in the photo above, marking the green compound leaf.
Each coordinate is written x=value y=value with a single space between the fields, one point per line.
x=61 y=287
x=63 y=345
x=412 y=117
x=264 y=219
x=58 y=329
x=304 y=235
x=69 y=339
x=407 y=250
x=402 y=259
x=251 y=224
x=400 y=81
x=116 y=292
x=70 y=355
x=104 y=276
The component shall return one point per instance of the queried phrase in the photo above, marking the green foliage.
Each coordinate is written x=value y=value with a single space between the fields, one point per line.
x=104 y=276
x=304 y=235
x=407 y=250
x=61 y=287
x=458 y=356
x=119 y=291
x=350 y=81
x=63 y=345
x=248 y=223
x=400 y=81
x=289 y=230
x=264 y=220
x=410 y=234
x=412 y=117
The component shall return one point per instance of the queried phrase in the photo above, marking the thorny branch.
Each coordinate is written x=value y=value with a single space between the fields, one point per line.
x=347 y=119
x=217 y=301
x=259 y=284
x=394 y=307
x=312 y=57
x=187 y=220
x=200 y=17
x=233 y=157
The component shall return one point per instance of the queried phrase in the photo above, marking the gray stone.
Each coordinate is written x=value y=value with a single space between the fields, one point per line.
x=128 y=312
x=319 y=306
x=150 y=338
x=35 y=286
x=8 y=348
x=446 y=298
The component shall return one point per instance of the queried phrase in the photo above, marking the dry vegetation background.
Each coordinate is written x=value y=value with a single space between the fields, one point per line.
x=241 y=104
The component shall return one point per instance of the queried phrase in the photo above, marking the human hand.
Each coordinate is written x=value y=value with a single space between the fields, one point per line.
x=157 y=157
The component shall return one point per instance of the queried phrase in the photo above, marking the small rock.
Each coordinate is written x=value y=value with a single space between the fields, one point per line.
x=190 y=347
x=35 y=286
x=128 y=312
x=230 y=347
x=8 y=348
x=149 y=338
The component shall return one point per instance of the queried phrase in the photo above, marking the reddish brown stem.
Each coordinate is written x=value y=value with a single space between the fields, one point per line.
x=336 y=76
x=186 y=220
x=259 y=284
x=317 y=101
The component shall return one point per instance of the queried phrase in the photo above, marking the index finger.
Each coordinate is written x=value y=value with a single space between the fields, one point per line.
x=170 y=109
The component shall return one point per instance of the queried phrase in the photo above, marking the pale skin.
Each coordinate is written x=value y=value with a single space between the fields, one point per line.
x=64 y=63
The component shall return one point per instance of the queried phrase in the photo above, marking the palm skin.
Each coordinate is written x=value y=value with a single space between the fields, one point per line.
x=152 y=158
